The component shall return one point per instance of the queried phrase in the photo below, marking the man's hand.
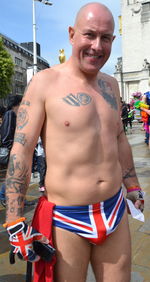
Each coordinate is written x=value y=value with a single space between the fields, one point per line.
x=135 y=194
x=21 y=237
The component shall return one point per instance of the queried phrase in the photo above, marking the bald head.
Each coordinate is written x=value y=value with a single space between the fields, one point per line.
x=91 y=10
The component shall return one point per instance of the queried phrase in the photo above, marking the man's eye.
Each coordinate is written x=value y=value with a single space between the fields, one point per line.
x=89 y=35
x=106 y=38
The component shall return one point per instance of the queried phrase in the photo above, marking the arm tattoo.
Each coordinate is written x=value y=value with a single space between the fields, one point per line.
x=24 y=102
x=16 y=185
x=20 y=138
x=80 y=99
x=11 y=205
x=129 y=173
x=106 y=92
x=22 y=118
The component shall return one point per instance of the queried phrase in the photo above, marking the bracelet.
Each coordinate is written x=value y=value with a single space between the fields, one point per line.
x=133 y=188
x=5 y=225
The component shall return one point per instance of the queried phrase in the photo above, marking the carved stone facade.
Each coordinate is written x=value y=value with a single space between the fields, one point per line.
x=133 y=69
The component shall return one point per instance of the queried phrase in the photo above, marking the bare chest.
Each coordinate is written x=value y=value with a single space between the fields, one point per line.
x=78 y=109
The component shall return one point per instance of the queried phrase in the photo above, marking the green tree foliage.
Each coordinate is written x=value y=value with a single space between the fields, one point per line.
x=6 y=71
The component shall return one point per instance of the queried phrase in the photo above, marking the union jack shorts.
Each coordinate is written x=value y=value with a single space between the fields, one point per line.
x=94 y=222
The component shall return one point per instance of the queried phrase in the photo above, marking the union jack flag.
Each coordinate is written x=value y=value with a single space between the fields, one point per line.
x=94 y=222
x=21 y=238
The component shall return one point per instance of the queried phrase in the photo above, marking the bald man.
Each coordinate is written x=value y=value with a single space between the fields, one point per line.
x=76 y=109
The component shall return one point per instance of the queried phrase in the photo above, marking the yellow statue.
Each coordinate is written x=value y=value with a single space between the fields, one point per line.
x=62 y=57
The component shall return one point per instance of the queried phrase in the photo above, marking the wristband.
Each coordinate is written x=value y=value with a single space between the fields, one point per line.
x=6 y=224
x=133 y=188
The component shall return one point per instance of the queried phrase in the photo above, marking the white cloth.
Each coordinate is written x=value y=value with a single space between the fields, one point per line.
x=40 y=149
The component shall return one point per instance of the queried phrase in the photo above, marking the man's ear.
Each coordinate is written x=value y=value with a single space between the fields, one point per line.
x=114 y=36
x=71 y=34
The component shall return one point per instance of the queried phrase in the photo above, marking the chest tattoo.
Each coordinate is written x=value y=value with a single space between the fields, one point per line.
x=80 y=99
x=107 y=94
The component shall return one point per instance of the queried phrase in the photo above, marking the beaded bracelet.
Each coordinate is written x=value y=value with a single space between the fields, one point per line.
x=5 y=225
x=133 y=188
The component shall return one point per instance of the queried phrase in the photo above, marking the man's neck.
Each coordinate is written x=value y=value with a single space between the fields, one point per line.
x=81 y=74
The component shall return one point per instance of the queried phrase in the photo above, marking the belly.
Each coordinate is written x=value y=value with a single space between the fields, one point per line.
x=82 y=163
x=83 y=184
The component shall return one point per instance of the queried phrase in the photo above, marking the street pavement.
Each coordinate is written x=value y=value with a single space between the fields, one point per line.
x=140 y=232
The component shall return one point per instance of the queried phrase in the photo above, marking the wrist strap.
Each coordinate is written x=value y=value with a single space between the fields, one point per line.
x=133 y=188
x=5 y=225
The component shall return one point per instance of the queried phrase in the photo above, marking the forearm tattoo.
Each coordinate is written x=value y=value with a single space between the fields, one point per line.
x=80 y=99
x=16 y=185
x=129 y=173
x=20 y=138
x=22 y=118
x=106 y=92
x=24 y=102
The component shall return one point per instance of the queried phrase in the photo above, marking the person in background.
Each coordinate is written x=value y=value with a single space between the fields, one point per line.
x=75 y=108
x=130 y=117
x=146 y=100
x=7 y=131
x=124 y=116
x=2 y=111
x=41 y=165
x=147 y=126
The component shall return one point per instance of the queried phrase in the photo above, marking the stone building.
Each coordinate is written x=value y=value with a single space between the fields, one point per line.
x=133 y=68
x=22 y=55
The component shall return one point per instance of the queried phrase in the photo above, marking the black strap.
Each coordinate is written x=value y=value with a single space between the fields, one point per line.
x=29 y=272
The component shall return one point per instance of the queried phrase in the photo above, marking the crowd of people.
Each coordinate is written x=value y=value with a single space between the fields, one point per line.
x=128 y=114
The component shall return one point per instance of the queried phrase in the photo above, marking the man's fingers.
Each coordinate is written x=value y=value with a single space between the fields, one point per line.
x=139 y=205
x=44 y=240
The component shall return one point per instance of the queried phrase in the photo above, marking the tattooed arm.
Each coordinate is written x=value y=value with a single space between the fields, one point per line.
x=134 y=191
x=28 y=128
x=17 y=181
x=126 y=160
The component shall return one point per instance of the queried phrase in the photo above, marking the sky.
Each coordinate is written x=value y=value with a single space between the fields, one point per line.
x=52 y=24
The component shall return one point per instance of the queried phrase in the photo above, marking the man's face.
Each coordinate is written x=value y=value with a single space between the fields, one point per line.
x=91 y=41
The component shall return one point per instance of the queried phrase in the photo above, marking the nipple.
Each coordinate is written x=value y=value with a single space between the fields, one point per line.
x=67 y=123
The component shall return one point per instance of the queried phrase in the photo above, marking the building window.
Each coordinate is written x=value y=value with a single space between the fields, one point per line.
x=18 y=62
x=145 y=15
x=18 y=76
x=19 y=89
x=28 y=65
x=130 y=2
x=146 y=7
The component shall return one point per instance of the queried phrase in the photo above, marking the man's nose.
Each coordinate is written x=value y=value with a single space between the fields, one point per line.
x=97 y=43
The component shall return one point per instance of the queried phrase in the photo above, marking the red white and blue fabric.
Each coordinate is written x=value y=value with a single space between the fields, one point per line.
x=21 y=237
x=94 y=222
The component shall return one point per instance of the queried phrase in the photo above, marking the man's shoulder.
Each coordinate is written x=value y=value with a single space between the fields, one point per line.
x=49 y=74
x=108 y=79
